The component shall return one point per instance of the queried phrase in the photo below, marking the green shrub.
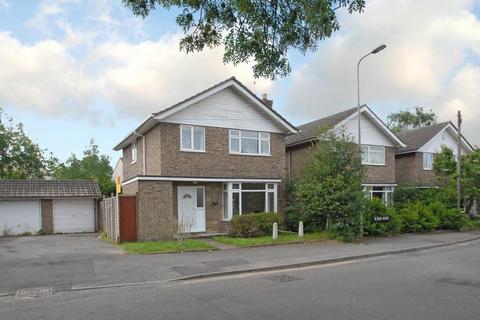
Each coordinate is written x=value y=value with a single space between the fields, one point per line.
x=417 y=217
x=404 y=196
x=452 y=219
x=255 y=224
x=375 y=207
x=471 y=224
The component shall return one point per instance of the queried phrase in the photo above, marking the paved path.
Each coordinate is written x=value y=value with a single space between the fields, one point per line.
x=441 y=283
x=67 y=262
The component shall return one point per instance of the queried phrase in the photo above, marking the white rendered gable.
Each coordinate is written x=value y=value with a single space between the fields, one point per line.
x=371 y=133
x=227 y=109
x=445 y=138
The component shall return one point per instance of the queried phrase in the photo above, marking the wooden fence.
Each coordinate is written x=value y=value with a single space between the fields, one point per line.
x=119 y=215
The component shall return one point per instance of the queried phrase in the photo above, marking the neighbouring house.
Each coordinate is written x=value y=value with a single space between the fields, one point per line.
x=414 y=162
x=118 y=170
x=205 y=159
x=50 y=206
x=379 y=144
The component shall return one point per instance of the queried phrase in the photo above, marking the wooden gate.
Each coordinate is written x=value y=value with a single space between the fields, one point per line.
x=128 y=218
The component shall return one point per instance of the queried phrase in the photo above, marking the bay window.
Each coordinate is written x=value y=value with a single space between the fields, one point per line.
x=249 y=142
x=373 y=155
x=192 y=138
x=242 y=198
x=384 y=193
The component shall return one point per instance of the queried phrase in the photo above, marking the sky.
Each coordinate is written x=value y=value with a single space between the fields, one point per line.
x=74 y=70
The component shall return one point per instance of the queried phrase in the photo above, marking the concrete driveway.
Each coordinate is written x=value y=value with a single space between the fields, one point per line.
x=58 y=260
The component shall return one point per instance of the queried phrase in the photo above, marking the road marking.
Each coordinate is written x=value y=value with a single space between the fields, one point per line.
x=33 y=293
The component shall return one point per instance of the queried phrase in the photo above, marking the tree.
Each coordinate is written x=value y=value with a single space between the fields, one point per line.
x=406 y=120
x=328 y=194
x=445 y=165
x=471 y=180
x=255 y=31
x=20 y=157
x=93 y=166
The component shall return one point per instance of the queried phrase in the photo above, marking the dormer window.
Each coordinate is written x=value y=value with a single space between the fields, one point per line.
x=134 y=152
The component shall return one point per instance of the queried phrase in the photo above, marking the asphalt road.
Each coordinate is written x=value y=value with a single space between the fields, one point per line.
x=441 y=283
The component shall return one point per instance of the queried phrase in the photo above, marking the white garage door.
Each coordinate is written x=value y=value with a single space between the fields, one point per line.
x=73 y=215
x=19 y=217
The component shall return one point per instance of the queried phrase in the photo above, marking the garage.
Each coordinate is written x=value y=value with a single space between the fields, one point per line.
x=73 y=215
x=48 y=206
x=20 y=217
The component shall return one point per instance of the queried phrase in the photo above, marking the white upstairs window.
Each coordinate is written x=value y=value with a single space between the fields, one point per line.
x=249 y=142
x=192 y=138
x=134 y=152
x=373 y=155
x=428 y=161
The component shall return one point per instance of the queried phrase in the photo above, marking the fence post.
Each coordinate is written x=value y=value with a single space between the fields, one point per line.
x=300 y=229
x=275 y=231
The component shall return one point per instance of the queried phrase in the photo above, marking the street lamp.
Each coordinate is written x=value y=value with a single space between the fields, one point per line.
x=374 y=51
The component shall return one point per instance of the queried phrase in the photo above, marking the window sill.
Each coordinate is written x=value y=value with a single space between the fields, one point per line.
x=132 y=163
x=374 y=165
x=250 y=154
x=426 y=169
x=194 y=151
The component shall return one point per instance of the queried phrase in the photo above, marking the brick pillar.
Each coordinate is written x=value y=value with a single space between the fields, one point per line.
x=47 y=216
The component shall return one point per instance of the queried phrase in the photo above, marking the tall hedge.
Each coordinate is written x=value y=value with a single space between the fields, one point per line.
x=328 y=194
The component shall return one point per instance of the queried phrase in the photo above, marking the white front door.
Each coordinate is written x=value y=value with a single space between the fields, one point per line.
x=191 y=209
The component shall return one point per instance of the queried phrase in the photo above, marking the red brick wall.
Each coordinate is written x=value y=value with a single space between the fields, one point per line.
x=216 y=161
x=47 y=215
x=409 y=170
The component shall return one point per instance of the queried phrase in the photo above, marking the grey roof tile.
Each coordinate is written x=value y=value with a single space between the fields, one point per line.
x=308 y=131
x=16 y=188
x=416 y=138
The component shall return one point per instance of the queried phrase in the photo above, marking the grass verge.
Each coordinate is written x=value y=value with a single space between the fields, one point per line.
x=167 y=246
x=283 y=238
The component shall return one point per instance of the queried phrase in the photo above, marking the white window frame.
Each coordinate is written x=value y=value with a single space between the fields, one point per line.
x=192 y=136
x=133 y=151
x=230 y=190
x=368 y=150
x=429 y=165
x=386 y=190
x=259 y=140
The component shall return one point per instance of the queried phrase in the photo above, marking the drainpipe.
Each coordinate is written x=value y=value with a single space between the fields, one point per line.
x=144 y=151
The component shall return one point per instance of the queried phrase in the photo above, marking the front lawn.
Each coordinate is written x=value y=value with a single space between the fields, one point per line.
x=267 y=240
x=150 y=247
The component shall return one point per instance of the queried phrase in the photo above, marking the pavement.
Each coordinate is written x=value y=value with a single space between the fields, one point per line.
x=439 y=283
x=76 y=262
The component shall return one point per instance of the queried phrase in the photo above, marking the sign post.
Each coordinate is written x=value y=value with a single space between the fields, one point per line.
x=119 y=185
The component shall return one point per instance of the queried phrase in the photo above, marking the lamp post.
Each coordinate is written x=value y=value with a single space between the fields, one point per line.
x=374 y=51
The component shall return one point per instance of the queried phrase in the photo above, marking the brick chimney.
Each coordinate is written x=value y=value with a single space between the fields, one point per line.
x=266 y=101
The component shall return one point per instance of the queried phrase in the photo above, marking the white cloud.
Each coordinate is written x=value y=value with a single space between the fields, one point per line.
x=5 y=4
x=43 y=77
x=429 y=48
x=136 y=78
x=149 y=76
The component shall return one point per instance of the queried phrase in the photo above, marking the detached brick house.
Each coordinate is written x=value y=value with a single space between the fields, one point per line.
x=379 y=144
x=205 y=159
x=414 y=162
